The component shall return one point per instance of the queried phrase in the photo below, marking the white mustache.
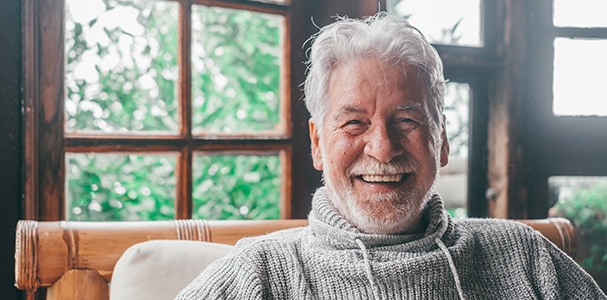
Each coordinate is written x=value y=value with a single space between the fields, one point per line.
x=371 y=166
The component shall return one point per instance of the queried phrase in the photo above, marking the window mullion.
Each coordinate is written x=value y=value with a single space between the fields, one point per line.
x=183 y=200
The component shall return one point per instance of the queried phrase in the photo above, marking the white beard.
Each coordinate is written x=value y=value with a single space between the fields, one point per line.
x=385 y=213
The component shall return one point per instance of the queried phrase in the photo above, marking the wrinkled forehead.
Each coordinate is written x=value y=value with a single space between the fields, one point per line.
x=360 y=78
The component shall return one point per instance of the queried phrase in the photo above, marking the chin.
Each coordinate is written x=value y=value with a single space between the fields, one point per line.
x=389 y=213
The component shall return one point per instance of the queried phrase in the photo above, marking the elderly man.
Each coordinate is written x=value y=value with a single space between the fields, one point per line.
x=377 y=230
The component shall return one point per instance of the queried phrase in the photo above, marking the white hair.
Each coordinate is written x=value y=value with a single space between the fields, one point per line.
x=390 y=39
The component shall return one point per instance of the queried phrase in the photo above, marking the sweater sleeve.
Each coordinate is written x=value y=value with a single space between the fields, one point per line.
x=229 y=278
x=570 y=280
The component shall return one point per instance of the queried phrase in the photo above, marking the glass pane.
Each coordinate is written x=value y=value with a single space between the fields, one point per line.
x=583 y=200
x=121 y=70
x=579 y=77
x=236 y=186
x=580 y=13
x=236 y=71
x=120 y=187
x=453 y=180
x=443 y=21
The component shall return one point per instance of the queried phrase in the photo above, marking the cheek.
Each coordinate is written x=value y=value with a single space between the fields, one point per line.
x=343 y=151
x=422 y=147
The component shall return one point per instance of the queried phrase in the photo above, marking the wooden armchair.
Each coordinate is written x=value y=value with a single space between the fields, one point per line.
x=75 y=260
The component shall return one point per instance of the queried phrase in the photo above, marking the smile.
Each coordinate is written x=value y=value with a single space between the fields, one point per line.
x=382 y=178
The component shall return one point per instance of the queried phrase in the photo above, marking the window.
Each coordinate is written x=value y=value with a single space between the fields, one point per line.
x=574 y=177
x=579 y=58
x=459 y=22
x=568 y=107
x=154 y=109
x=453 y=180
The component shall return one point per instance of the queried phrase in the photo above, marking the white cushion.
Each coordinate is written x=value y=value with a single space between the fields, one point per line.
x=160 y=269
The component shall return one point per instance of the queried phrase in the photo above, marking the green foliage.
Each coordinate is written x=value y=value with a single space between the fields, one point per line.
x=587 y=208
x=457 y=213
x=236 y=62
x=114 y=187
x=236 y=187
x=121 y=74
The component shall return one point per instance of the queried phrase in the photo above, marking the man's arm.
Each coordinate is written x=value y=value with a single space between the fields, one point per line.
x=227 y=278
x=570 y=282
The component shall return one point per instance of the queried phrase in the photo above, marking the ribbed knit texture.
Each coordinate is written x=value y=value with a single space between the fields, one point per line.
x=492 y=259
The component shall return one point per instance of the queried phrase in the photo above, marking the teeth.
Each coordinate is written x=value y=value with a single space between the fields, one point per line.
x=382 y=178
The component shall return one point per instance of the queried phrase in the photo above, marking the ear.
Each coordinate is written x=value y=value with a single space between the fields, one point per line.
x=315 y=140
x=444 y=150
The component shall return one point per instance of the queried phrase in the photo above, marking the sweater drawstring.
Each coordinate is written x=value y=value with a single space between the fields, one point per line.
x=363 y=248
x=458 y=285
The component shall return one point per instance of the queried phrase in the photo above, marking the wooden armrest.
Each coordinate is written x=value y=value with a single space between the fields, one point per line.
x=557 y=230
x=49 y=251
x=46 y=250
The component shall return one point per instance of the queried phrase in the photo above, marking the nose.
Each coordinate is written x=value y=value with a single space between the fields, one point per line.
x=382 y=144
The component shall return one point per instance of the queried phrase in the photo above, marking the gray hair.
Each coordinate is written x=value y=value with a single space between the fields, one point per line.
x=390 y=39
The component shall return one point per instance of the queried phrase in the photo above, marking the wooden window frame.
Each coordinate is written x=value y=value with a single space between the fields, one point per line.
x=562 y=145
x=46 y=142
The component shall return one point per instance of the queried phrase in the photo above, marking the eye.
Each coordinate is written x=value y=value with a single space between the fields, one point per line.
x=406 y=121
x=354 y=126
x=406 y=124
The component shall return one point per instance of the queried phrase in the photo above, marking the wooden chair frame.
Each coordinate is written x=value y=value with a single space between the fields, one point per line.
x=75 y=260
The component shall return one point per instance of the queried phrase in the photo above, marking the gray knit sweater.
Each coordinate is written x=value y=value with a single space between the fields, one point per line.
x=330 y=259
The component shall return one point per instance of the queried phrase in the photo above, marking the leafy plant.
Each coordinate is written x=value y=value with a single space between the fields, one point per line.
x=236 y=187
x=115 y=187
x=236 y=57
x=121 y=74
x=587 y=208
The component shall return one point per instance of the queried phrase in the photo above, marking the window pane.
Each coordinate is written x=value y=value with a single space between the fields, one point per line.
x=121 y=68
x=236 y=186
x=580 y=13
x=120 y=187
x=236 y=71
x=583 y=200
x=453 y=180
x=443 y=21
x=579 y=77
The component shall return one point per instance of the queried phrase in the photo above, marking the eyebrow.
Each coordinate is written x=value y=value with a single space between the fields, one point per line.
x=417 y=108
x=411 y=107
x=347 y=110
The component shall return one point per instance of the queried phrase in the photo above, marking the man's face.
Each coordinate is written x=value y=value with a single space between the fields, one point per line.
x=377 y=148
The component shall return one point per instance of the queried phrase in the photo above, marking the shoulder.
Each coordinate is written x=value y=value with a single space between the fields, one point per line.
x=500 y=232
x=285 y=236
x=275 y=243
x=239 y=274
x=494 y=226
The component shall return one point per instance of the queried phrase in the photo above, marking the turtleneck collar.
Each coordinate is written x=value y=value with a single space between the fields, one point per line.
x=334 y=231
x=331 y=230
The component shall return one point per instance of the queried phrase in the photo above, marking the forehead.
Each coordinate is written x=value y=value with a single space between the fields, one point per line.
x=364 y=82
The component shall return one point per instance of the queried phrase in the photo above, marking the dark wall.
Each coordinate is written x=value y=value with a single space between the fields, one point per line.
x=10 y=141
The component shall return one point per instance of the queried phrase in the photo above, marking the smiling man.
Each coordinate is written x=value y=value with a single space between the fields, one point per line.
x=379 y=145
x=377 y=229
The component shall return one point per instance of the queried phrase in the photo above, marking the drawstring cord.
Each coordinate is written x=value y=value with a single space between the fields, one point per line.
x=458 y=285
x=440 y=245
x=363 y=248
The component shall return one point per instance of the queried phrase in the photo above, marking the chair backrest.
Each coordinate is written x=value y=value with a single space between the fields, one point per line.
x=75 y=260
